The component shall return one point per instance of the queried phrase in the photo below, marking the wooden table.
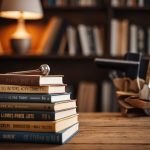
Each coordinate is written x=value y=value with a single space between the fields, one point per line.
x=101 y=131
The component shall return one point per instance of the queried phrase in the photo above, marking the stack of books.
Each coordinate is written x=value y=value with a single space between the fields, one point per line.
x=36 y=109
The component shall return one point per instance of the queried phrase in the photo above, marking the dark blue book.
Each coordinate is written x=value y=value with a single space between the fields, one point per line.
x=17 y=115
x=40 y=138
x=34 y=98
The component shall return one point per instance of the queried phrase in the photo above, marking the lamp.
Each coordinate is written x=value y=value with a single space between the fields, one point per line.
x=21 y=9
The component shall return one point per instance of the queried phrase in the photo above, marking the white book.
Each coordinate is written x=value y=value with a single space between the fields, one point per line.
x=115 y=3
x=114 y=37
x=72 y=40
x=83 y=2
x=98 y=39
x=133 y=39
x=84 y=40
x=141 y=3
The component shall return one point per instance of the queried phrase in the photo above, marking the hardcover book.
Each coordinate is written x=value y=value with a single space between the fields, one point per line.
x=32 y=89
x=17 y=115
x=34 y=98
x=38 y=106
x=52 y=36
x=42 y=138
x=39 y=126
x=30 y=80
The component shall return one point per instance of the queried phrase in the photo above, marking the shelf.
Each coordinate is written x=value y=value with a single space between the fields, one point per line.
x=74 y=8
x=17 y=57
x=136 y=15
x=132 y=9
x=62 y=58
x=48 y=57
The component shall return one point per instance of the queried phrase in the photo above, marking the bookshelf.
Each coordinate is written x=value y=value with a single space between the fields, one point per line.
x=76 y=68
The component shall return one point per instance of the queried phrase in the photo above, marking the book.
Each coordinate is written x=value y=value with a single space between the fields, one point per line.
x=106 y=96
x=141 y=3
x=87 y=92
x=29 y=115
x=32 y=89
x=84 y=39
x=115 y=3
x=1 y=49
x=124 y=37
x=34 y=98
x=38 y=106
x=46 y=45
x=142 y=37
x=34 y=80
x=62 y=46
x=39 y=126
x=133 y=39
x=98 y=34
x=114 y=37
x=40 y=138
x=119 y=37
x=72 y=40
x=91 y=39
x=57 y=38
x=91 y=96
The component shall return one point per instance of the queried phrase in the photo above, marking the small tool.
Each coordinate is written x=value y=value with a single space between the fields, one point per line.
x=44 y=69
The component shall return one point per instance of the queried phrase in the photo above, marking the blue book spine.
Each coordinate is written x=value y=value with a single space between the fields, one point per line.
x=31 y=137
x=10 y=115
x=39 y=137
x=30 y=98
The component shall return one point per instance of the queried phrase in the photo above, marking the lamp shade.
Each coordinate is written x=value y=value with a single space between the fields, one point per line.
x=30 y=9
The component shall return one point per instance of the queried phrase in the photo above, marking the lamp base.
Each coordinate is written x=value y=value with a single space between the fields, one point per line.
x=20 y=46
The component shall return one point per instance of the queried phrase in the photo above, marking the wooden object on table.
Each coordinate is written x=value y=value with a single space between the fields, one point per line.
x=100 y=131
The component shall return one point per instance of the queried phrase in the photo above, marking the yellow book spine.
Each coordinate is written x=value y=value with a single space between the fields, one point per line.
x=39 y=126
x=23 y=89
x=34 y=126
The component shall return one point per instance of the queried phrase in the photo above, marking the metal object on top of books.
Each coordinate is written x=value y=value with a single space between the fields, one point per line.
x=132 y=84
x=44 y=69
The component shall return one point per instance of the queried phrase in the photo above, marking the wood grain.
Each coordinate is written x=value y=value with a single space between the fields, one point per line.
x=101 y=131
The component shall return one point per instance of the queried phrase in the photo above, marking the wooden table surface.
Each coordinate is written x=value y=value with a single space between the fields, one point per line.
x=100 y=131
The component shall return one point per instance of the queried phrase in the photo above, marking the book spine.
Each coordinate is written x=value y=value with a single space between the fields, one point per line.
x=23 y=89
x=39 y=126
x=133 y=39
x=31 y=137
x=26 y=106
x=33 y=126
x=19 y=80
x=26 y=115
x=31 y=98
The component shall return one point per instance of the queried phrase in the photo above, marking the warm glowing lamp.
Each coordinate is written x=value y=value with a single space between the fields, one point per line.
x=21 y=10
